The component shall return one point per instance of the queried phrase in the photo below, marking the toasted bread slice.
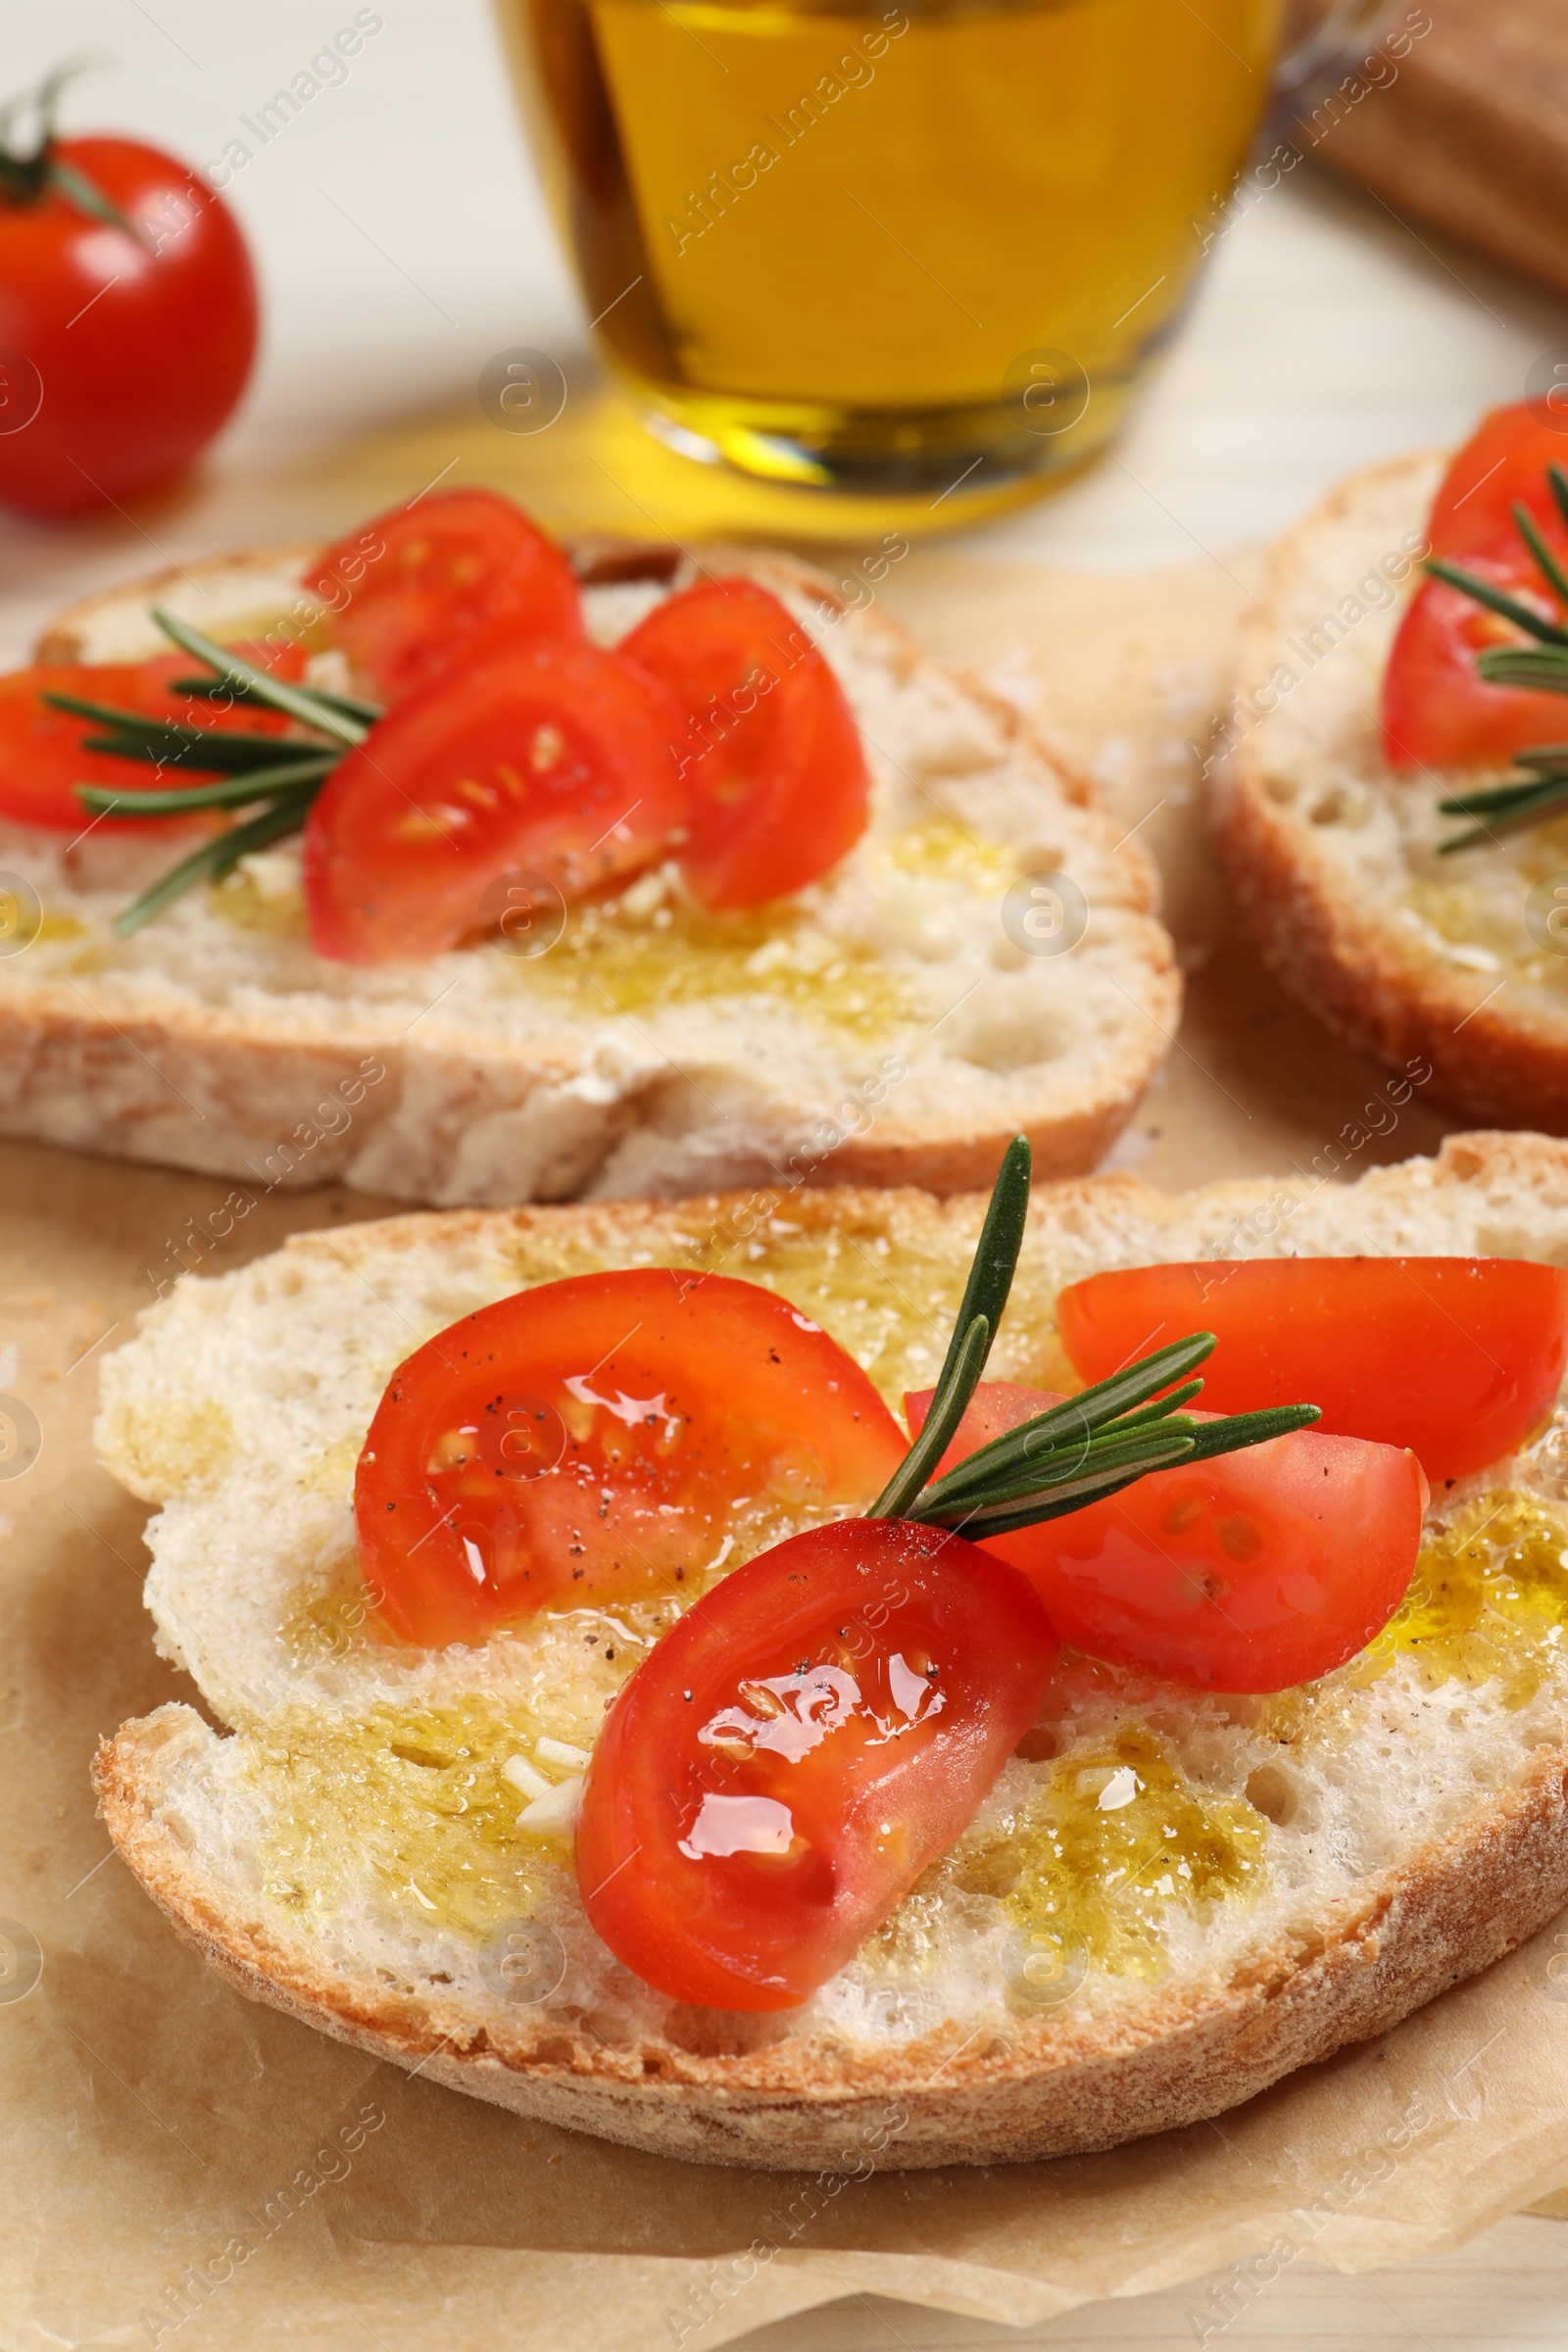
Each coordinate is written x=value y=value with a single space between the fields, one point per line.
x=883 y=1026
x=1269 y=1880
x=1332 y=856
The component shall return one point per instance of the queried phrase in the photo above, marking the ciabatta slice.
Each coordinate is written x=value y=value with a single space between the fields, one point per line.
x=1334 y=857
x=1169 y=1900
x=886 y=1025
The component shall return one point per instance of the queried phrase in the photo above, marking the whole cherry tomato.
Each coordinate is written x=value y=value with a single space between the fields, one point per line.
x=546 y=756
x=770 y=752
x=1252 y=1572
x=412 y=588
x=122 y=350
x=608 y=1434
x=41 y=758
x=1460 y=1359
x=798 y=1747
x=1438 y=711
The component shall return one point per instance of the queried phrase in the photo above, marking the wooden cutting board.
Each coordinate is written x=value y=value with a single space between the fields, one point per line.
x=1472 y=135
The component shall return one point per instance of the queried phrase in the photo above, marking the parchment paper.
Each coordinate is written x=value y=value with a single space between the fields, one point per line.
x=186 y=2168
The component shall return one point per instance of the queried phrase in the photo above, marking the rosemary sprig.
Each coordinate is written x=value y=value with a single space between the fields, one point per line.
x=1080 y=1451
x=1546 y=562
x=229 y=690
x=167 y=743
x=980 y=1310
x=231 y=791
x=210 y=863
x=1498 y=599
x=1505 y=807
x=1081 y=1421
x=1542 y=668
x=278 y=776
x=303 y=703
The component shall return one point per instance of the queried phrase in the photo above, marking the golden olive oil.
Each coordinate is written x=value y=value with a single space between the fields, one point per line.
x=412 y=1802
x=868 y=250
x=619 y=956
x=890 y=1303
x=1489 y=1600
x=1103 y=1879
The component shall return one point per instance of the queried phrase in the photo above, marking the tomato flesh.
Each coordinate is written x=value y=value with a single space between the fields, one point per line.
x=770 y=750
x=548 y=757
x=1504 y=463
x=1436 y=710
x=603 y=1435
x=410 y=587
x=794 y=1751
x=41 y=758
x=134 y=349
x=1253 y=1572
x=1460 y=1359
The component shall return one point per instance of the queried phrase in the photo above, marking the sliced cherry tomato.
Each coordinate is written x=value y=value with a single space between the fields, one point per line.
x=548 y=757
x=1253 y=1572
x=1460 y=1359
x=796 y=1749
x=604 y=1434
x=41 y=758
x=408 y=586
x=769 y=750
x=1503 y=463
x=1438 y=711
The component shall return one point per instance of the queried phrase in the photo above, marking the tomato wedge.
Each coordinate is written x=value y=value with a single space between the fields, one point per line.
x=770 y=753
x=1504 y=463
x=600 y=1436
x=796 y=1749
x=408 y=586
x=1460 y=1359
x=1436 y=710
x=546 y=756
x=1253 y=1572
x=41 y=758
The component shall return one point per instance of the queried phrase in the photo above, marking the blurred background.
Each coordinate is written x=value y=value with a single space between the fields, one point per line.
x=402 y=242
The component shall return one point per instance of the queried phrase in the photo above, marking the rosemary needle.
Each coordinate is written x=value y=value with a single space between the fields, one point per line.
x=1541 y=668
x=277 y=776
x=1078 y=1452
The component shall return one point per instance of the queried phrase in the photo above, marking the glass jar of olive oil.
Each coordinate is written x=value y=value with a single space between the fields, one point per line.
x=917 y=252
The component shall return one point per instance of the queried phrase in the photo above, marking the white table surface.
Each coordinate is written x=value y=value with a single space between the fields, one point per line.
x=402 y=241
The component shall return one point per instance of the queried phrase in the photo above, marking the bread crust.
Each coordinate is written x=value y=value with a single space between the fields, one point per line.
x=1504 y=1162
x=1068 y=2082
x=1348 y=957
x=72 y=634
x=218 y=1091
x=1054 y=2089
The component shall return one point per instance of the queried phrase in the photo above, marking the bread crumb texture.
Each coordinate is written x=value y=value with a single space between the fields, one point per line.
x=884 y=1017
x=1146 y=1845
x=1335 y=855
